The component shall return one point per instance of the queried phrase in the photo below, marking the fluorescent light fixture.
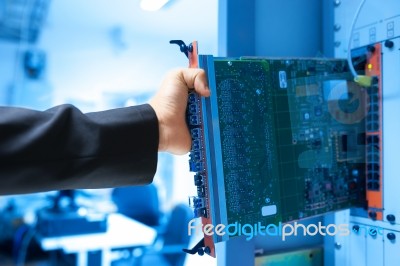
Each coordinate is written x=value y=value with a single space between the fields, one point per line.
x=152 y=5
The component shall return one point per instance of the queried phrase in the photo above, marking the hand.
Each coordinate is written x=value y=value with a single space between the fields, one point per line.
x=170 y=103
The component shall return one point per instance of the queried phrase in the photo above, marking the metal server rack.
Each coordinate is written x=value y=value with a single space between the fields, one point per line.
x=376 y=233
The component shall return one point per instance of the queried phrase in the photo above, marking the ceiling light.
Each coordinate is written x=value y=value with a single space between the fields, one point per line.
x=152 y=5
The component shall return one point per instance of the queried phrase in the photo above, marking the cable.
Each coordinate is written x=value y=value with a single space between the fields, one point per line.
x=360 y=79
x=17 y=240
x=24 y=246
x=352 y=70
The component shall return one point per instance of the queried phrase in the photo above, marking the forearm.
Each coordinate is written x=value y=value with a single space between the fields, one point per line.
x=61 y=148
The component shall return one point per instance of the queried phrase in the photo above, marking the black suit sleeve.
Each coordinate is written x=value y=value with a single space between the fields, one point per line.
x=62 y=148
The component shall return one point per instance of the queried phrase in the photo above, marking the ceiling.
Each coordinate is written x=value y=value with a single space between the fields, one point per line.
x=176 y=17
x=97 y=46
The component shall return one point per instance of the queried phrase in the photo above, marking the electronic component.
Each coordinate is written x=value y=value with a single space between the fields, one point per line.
x=278 y=140
x=367 y=61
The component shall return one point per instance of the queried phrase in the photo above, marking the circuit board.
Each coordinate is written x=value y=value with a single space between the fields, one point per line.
x=278 y=140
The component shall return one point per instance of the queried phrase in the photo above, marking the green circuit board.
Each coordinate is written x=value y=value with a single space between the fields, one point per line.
x=292 y=137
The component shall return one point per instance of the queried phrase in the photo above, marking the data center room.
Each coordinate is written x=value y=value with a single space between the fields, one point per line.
x=293 y=157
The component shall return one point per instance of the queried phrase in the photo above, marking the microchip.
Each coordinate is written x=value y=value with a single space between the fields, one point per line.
x=317 y=111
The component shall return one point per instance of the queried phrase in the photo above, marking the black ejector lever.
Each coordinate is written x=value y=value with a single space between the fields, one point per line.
x=184 y=48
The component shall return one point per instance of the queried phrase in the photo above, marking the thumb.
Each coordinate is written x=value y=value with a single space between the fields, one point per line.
x=197 y=79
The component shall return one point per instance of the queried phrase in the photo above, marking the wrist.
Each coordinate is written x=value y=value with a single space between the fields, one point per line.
x=162 y=138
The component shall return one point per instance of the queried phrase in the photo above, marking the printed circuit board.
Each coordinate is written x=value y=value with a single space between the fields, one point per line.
x=278 y=140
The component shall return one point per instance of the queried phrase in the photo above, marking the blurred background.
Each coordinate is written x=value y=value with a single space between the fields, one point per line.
x=96 y=55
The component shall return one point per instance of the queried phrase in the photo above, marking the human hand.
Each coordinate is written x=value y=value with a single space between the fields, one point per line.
x=169 y=104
